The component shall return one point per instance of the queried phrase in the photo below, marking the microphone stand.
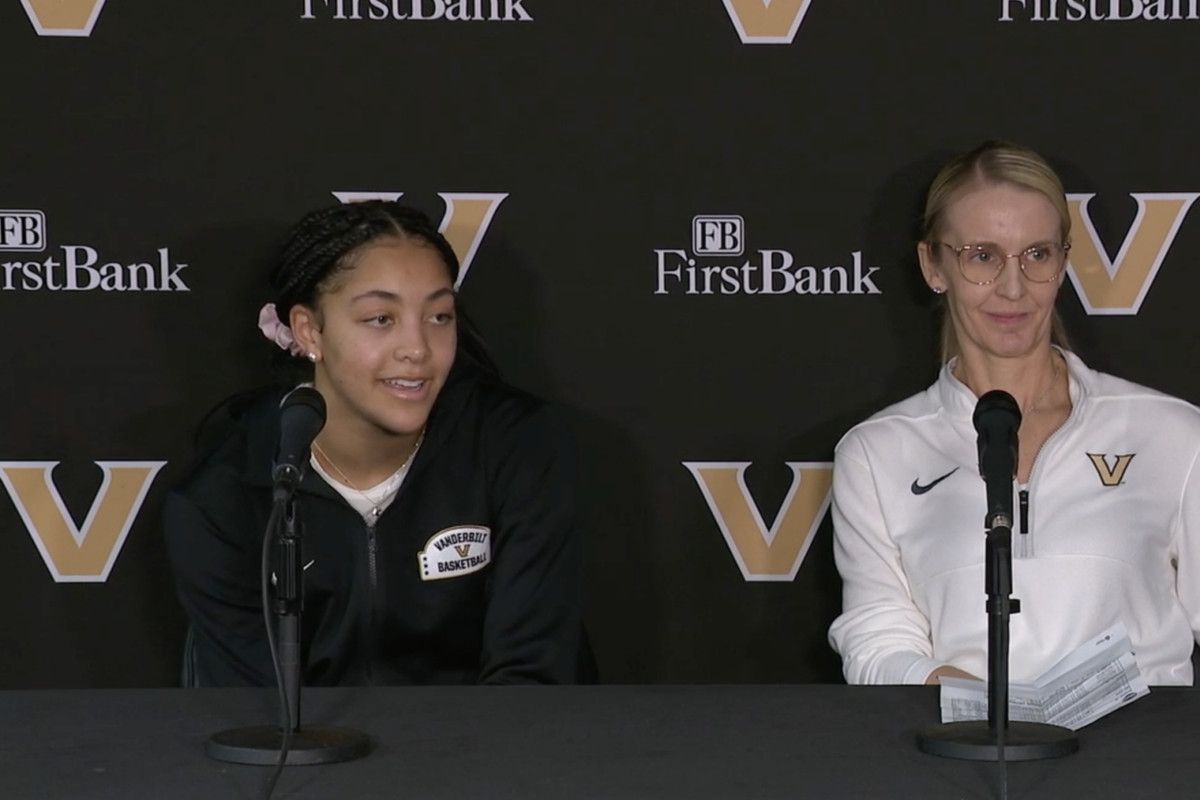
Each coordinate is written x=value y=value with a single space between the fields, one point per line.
x=998 y=739
x=263 y=744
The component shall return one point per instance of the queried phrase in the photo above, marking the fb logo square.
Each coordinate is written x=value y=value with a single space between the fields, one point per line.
x=718 y=235
x=22 y=230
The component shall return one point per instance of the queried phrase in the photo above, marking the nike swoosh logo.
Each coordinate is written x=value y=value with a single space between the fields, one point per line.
x=917 y=488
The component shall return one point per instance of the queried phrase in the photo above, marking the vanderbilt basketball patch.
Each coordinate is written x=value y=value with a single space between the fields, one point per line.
x=455 y=551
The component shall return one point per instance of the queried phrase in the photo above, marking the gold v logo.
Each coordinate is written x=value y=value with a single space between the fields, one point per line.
x=71 y=553
x=467 y=218
x=462 y=550
x=1118 y=287
x=767 y=21
x=1114 y=476
x=764 y=554
x=63 y=17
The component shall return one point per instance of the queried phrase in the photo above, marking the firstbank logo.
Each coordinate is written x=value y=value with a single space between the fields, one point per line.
x=767 y=21
x=22 y=229
x=1118 y=286
x=762 y=553
x=718 y=235
x=1098 y=10
x=63 y=17
x=76 y=267
x=75 y=553
x=418 y=10
x=468 y=217
x=716 y=238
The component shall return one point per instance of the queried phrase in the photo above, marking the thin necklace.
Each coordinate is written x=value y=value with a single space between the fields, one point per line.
x=376 y=506
x=1037 y=404
x=1035 y=407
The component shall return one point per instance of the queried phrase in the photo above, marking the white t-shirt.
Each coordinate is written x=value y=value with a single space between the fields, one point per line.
x=369 y=503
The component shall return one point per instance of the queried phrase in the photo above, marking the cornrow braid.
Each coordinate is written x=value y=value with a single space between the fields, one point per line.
x=319 y=246
x=323 y=242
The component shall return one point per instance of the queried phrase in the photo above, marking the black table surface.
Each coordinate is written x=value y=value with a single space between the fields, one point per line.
x=798 y=741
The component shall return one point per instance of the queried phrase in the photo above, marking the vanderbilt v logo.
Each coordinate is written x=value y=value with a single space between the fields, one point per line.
x=71 y=553
x=1118 y=286
x=467 y=218
x=63 y=17
x=764 y=554
x=767 y=21
x=1114 y=476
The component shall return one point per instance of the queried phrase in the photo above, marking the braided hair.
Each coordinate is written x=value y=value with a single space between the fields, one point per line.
x=322 y=246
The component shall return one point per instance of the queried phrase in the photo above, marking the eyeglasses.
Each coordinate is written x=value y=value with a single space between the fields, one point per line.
x=982 y=263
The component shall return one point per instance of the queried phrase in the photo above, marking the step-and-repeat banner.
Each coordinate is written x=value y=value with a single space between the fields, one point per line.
x=689 y=222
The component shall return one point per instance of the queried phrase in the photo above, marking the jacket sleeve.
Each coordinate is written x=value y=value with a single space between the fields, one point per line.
x=218 y=579
x=533 y=624
x=1186 y=551
x=882 y=636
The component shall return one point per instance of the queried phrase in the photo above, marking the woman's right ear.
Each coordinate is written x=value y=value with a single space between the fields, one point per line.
x=306 y=330
x=929 y=268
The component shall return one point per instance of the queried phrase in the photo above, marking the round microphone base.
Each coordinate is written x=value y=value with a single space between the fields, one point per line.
x=260 y=745
x=976 y=741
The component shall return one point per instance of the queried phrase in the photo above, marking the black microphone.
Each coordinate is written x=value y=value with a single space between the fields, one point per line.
x=997 y=418
x=301 y=417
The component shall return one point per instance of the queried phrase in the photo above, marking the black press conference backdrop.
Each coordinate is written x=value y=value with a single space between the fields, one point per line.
x=690 y=223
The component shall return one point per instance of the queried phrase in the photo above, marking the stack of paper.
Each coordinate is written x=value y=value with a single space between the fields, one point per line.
x=1099 y=677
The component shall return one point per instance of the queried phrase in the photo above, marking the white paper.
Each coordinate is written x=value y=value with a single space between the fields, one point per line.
x=1089 y=682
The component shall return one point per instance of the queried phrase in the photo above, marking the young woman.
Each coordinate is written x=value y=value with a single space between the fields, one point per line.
x=1108 y=490
x=439 y=531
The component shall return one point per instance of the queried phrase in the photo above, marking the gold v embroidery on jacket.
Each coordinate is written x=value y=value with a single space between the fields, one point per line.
x=1114 y=475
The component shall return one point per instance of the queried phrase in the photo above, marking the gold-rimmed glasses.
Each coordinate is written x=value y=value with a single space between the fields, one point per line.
x=982 y=263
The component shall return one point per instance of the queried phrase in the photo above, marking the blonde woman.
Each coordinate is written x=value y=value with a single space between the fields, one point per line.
x=1107 y=492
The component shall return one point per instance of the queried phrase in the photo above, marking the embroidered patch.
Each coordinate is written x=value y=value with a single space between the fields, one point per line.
x=455 y=551
x=1114 y=475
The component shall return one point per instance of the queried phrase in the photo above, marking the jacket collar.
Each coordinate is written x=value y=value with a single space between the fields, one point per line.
x=260 y=427
x=958 y=401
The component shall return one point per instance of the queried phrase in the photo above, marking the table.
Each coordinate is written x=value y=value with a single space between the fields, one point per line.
x=628 y=742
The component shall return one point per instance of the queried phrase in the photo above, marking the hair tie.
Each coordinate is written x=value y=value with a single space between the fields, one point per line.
x=274 y=329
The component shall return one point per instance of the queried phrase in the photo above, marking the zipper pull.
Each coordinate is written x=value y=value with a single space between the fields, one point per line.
x=1024 y=544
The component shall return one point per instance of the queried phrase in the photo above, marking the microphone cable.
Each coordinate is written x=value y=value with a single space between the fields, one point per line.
x=286 y=734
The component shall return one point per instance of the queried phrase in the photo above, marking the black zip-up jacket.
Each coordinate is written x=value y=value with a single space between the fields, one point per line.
x=410 y=601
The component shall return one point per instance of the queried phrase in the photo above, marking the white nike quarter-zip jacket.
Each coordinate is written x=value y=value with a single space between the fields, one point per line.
x=1105 y=531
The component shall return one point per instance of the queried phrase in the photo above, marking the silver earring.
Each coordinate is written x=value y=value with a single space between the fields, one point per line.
x=312 y=357
x=937 y=289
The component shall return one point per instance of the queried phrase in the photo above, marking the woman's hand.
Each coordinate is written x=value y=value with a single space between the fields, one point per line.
x=947 y=671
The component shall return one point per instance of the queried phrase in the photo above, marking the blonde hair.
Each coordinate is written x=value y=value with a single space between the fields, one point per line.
x=990 y=163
